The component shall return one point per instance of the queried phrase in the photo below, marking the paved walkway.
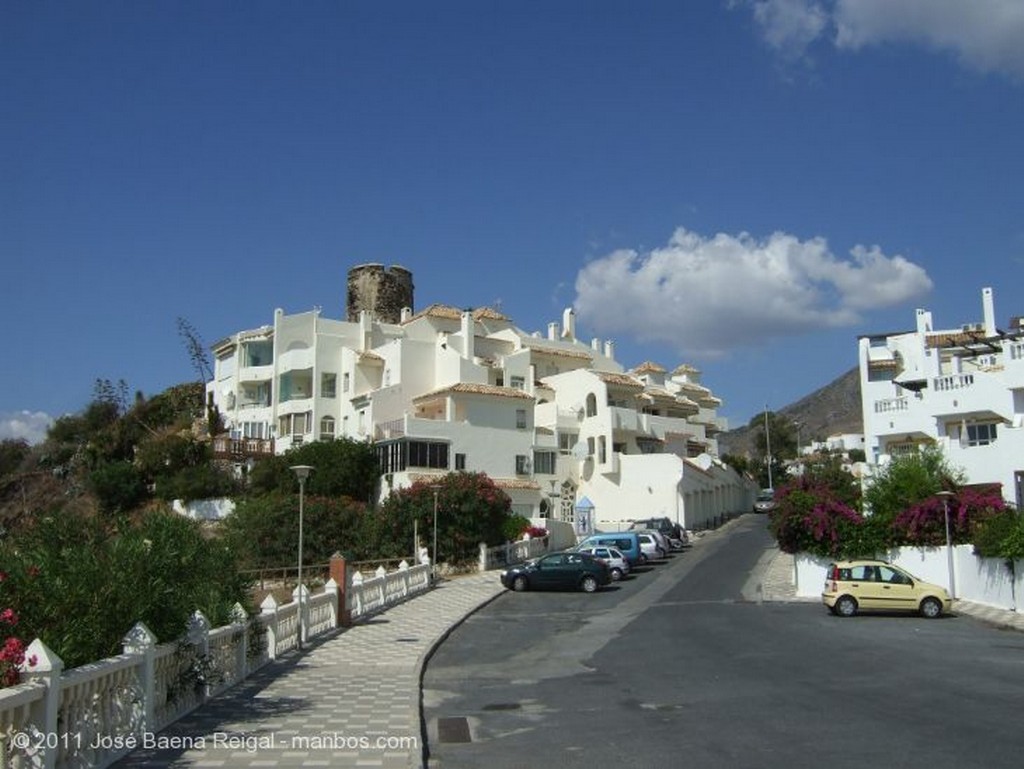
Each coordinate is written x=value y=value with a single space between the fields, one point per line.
x=352 y=699
x=349 y=700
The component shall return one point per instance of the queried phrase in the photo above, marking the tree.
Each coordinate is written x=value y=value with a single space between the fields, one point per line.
x=775 y=441
x=13 y=452
x=909 y=479
x=342 y=468
x=264 y=530
x=470 y=509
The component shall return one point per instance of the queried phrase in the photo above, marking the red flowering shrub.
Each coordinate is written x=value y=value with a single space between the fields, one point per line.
x=12 y=652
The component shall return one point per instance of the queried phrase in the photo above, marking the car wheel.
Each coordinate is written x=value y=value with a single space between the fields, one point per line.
x=846 y=606
x=616 y=574
x=588 y=584
x=931 y=608
x=519 y=584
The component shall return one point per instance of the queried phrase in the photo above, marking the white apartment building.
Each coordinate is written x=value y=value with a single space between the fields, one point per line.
x=555 y=422
x=961 y=389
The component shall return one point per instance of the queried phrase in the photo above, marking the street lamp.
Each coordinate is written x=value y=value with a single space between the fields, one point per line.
x=302 y=473
x=946 y=496
x=435 y=487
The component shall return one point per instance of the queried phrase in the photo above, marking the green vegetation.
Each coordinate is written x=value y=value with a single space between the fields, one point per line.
x=80 y=582
x=820 y=512
x=88 y=545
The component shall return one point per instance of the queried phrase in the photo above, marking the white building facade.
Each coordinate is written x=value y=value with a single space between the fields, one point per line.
x=961 y=389
x=552 y=420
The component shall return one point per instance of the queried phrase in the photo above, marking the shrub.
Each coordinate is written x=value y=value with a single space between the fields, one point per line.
x=80 y=582
x=808 y=517
x=924 y=523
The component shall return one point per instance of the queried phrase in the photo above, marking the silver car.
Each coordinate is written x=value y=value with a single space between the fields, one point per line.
x=650 y=547
x=617 y=563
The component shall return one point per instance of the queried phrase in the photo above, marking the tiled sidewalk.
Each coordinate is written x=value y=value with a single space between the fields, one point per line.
x=350 y=700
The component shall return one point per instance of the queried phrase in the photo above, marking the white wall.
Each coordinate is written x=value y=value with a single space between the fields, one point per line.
x=981 y=580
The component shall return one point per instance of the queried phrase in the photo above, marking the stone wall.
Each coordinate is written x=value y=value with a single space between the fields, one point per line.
x=383 y=291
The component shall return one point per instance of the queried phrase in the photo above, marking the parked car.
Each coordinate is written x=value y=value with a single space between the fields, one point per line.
x=673 y=532
x=851 y=586
x=558 y=571
x=649 y=546
x=765 y=501
x=617 y=563
x=662 y=541
x=626 y=541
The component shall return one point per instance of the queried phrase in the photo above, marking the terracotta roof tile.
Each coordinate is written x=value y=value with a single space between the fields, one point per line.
x=619 y=380
x=472 y=388
x=649 y=367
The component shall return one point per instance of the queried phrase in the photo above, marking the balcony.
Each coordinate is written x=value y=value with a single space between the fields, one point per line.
x=226 y=447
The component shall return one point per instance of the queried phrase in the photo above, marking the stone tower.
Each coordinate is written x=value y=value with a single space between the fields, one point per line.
x=383 y=291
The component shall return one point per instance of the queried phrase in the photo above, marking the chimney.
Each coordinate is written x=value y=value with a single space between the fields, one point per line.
x=569 y=324
x=989 y=307
x=609 y=349
x=406 y=315
x=552 y=331
x=595 y=344
x=468 y=338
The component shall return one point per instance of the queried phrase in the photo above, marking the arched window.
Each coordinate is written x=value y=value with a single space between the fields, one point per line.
x=591 y=405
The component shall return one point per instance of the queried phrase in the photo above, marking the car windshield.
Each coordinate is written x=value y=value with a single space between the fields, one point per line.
x=765 y=496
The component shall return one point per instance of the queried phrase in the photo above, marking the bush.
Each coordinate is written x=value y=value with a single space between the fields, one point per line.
x=470 y=510
x=924 y=523
x=80 y=583
x=808 y=517
x=264 y=531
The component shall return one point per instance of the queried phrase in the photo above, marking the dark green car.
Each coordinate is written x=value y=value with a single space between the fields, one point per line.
x=558 y=571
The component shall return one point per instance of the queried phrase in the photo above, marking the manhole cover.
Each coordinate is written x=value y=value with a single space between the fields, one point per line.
x=453 y=730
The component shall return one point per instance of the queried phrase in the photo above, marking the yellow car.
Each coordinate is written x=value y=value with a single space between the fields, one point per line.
x=879 y=586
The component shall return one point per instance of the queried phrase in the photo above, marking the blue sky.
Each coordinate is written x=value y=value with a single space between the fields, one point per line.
x=743 y=185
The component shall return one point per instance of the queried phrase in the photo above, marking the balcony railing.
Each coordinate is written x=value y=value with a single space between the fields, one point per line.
x=953 y=382
x=891 y=405
x=226 y=447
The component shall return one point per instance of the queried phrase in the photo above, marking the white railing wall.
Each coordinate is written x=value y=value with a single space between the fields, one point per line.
x=93 y=715
x=511 y=553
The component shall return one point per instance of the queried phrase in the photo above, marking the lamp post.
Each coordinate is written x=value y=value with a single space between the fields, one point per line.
x=946 y=496
x=302 y=473
x=435 y=487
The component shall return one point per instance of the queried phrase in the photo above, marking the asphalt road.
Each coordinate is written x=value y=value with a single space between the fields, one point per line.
x=673 y=667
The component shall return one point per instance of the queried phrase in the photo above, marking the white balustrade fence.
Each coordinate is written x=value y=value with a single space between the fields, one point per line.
x=511 y=553
x=93 y=715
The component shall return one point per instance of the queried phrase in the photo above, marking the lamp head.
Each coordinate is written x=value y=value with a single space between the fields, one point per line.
x=301 y=471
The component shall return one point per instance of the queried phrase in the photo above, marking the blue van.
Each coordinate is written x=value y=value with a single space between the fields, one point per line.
x=626 y=541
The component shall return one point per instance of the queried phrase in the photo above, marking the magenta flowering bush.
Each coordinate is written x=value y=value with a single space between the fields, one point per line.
x=810 y=517
x=924 y=523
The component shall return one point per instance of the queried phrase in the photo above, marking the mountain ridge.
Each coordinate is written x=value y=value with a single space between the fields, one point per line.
x=829 y=410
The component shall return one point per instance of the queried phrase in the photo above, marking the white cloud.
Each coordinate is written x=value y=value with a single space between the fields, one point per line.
x=790 y=26
x=985 y=35
x=706 y=296
x=30 y=425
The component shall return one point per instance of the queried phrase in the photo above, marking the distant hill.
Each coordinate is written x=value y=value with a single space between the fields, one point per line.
x=830 y=410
